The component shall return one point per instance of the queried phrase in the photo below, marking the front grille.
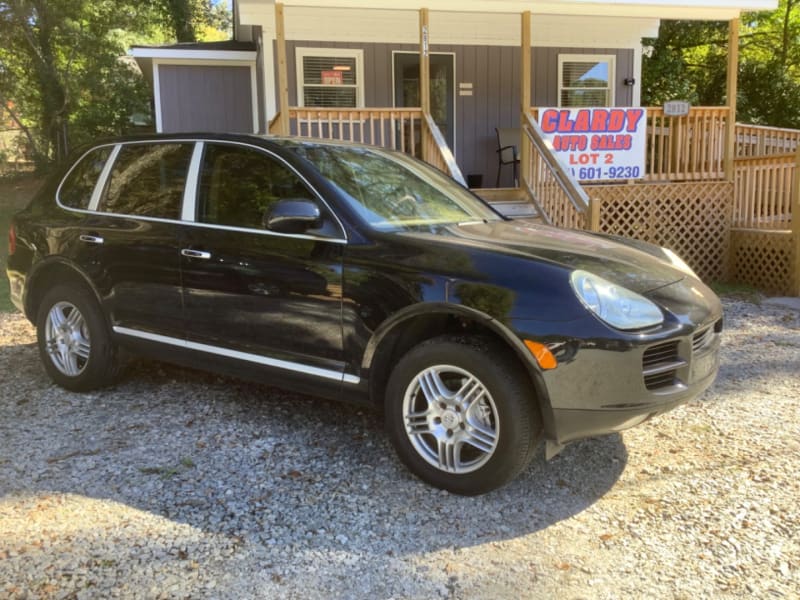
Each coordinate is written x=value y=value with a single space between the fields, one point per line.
x=660 y=365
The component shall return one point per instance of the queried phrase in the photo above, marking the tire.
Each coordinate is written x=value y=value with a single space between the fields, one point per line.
x=74 y=340
x=462 y=414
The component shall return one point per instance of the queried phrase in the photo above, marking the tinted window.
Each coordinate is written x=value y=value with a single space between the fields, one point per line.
x=238 y=185
x=148 y=180
x=76 y=192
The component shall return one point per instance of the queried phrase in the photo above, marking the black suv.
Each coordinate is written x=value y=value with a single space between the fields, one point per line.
x=352 y=272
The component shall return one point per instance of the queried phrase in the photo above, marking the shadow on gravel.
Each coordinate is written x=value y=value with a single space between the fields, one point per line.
x=281 y=472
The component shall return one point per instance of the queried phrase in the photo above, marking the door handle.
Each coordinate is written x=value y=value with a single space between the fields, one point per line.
x=91 y=239
x=189 y=253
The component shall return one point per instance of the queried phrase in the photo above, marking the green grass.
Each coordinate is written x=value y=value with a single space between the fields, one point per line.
x=738 y=291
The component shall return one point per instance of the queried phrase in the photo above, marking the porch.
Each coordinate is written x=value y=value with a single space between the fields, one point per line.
x=718 y=193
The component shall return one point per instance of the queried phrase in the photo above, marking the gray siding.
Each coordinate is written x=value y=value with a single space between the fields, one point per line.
x=205 y=98
x=493 y=72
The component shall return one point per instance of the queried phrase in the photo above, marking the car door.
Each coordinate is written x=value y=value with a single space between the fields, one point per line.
x=129 y=238
x=269 y=299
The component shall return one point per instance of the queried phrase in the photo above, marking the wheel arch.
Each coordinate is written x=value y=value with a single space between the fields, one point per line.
x=413 y=325
x=49 y=273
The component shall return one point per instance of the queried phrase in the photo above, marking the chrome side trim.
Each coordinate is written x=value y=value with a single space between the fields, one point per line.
x=246 y=356
x=97 y=192
x=190 y=191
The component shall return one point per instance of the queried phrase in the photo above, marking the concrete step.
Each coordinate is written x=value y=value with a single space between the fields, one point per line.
x=516 y=210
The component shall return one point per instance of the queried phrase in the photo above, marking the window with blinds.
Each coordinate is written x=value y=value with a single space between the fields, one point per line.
x=329 y=77
x=585 y=80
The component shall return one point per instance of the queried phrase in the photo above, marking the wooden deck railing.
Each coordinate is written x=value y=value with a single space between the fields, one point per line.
x=763 y=192
x=690 y=148
x=394 y=128
x=438 y=153
x=558 y=197
x=408 y=130
x=753 y=141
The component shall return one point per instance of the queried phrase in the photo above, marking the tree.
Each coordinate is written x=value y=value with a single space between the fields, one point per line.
x=688 y=61
x=60 y=65
x=64 y=74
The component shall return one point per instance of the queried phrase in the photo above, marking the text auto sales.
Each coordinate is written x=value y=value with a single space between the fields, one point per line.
x=612 y=130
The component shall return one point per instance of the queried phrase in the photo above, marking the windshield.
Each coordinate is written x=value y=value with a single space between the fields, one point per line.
x=393 y=192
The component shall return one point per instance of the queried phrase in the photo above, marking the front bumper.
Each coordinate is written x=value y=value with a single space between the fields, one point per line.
x=604 y=389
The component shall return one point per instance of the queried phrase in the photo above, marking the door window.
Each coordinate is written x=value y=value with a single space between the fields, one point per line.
x=148 y=180
x=238 y=185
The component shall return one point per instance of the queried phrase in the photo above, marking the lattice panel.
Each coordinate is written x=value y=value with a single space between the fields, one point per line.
x=763 y=259
x=691 y=219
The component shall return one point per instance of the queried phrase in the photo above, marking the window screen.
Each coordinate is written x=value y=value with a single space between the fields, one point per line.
x=76 y=191
x=148 y=180
x=585 y=81
x=238 y=186
x=328 y=80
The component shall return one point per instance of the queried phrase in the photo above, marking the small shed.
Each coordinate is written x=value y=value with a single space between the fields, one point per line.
x=209 y=86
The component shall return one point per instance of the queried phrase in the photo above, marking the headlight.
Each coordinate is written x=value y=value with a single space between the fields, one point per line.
x=617 y=306
x=677 y=262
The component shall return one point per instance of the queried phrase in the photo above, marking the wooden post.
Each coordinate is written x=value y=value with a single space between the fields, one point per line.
x=525 y=97
x=424 y=80
x=733 y=90
x=284 y=126
x=794 y=285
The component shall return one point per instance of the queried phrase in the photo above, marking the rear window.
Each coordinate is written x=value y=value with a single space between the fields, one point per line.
x=148 y=180
x=76 y=191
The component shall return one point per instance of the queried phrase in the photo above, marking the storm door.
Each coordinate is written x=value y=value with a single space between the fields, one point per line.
x=442 y=73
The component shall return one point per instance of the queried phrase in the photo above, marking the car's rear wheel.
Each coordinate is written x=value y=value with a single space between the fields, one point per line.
x=74 y=341
x=461 y=414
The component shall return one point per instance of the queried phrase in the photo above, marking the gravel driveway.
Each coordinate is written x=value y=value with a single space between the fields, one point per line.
x=179 y=484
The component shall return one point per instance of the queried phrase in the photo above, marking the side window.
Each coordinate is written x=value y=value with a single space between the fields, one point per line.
x=148 y=180
x=76 y=191
x=238 y=185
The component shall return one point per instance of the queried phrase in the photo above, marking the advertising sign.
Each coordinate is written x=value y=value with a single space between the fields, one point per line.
x=598 y=144
x=332 y=77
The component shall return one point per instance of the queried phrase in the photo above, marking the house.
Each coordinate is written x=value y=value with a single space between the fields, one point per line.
x=437 y=78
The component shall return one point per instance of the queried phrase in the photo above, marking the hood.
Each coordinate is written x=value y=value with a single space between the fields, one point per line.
x=635 y=265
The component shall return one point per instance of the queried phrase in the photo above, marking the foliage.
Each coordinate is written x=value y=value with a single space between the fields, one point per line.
x=688 y=61
x=64 y=74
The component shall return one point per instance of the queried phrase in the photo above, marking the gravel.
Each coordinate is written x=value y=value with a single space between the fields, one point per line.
x=178 y=484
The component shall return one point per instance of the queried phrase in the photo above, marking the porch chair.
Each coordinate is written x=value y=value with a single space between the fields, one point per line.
x=507 y=140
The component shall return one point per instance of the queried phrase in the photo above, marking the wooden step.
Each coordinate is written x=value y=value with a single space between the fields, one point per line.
x=516 y=210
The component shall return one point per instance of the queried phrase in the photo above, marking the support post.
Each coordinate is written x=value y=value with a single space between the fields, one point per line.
x=283 y=72
x=424 y=79
x=794 y=286
x=733 y=89
x=525 y=97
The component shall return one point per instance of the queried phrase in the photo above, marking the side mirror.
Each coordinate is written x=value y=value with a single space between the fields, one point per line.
x=295 y=215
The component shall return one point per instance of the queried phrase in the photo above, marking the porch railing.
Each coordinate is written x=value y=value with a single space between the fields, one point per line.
x=438 y=153
x=557 y=196
x=408 y=130
x=764 y=188
x=689 y=148
x=754 y=141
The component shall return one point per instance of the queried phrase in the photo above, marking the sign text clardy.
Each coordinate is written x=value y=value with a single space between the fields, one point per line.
x=598 y=143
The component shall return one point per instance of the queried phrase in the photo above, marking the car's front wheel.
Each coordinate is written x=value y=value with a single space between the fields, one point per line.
x=462 y=414
x=74 y=341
